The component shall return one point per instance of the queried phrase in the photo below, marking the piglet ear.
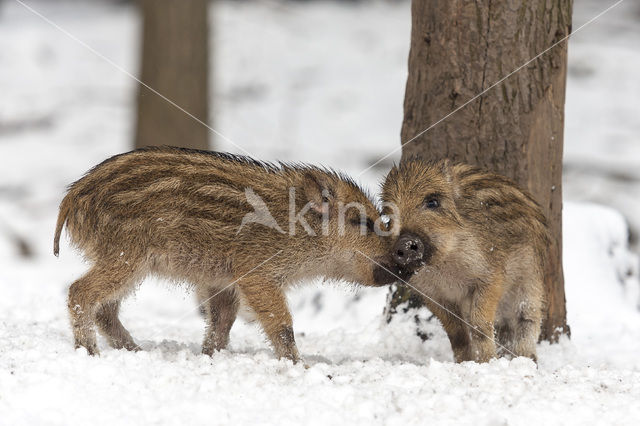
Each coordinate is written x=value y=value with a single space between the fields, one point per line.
x=449 y=173
x=447 y=170
x=318 y=191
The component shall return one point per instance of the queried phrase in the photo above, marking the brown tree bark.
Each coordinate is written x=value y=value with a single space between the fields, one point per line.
x=460 y=48
x=175 y=62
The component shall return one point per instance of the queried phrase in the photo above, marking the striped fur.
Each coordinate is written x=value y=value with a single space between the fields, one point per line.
x=178 y=213
x=488 y=240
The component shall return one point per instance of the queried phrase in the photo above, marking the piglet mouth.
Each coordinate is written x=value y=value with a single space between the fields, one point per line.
x=385 y=274
x=405 y=273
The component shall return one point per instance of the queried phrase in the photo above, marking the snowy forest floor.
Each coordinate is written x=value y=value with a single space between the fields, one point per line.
x=321 y=82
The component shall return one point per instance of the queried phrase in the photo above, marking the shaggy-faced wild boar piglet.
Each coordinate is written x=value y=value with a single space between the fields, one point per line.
x=477 y=245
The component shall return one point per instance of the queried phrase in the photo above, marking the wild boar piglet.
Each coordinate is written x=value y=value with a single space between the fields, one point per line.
x=240 y=231
x=477 y=244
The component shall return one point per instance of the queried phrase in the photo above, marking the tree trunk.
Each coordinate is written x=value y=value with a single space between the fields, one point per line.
x=175 y=59
x=460 y=48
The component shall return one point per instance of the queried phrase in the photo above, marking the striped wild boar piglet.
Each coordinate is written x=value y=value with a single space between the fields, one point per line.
x=477 y=244
x=238 y=230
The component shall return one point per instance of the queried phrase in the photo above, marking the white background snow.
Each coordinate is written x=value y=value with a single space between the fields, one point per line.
x=321 y=82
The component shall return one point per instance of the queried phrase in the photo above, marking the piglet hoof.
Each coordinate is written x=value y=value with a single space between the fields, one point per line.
x=293 y=357
x=300 y=361
x=132 y=347
x=211 y=349
x=91 y=349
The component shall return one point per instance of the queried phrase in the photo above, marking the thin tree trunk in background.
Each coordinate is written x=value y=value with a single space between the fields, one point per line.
x=175 y=62
x=460 y=48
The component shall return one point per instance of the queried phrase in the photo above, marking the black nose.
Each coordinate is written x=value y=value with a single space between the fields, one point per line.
x=408 y=250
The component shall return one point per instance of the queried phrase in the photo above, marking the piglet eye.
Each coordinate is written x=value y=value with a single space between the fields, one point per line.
x=325 y=199
x=364 y=223
x=431 y=203
x=370 y=225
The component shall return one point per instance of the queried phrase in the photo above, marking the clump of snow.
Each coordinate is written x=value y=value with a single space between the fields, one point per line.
x=602 y=289
x=606 y=243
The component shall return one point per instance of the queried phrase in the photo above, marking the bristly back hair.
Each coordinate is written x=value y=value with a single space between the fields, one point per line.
x=279 y=167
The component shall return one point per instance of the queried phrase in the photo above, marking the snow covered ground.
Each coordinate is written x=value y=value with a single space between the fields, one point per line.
x=320 y=82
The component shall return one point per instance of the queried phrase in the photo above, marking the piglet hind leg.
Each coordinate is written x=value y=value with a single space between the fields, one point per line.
x=220 y=309
x=88 y=294
x=521 y=333
x=520 y=317
x=527 y=333
x=269 y=303
x=110 y=327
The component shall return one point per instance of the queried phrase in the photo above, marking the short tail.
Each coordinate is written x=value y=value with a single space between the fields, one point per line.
x=65 y=208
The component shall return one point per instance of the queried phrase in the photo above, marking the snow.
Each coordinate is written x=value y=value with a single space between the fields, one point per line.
x=319 y=82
